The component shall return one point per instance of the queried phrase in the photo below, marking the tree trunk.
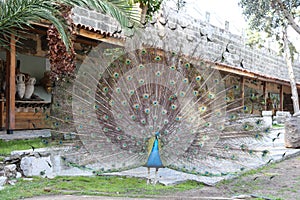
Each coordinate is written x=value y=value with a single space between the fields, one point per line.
x=144 y=8
x=288 y=60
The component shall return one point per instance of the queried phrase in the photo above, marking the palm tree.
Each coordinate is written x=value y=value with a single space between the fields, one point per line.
x=18 y=14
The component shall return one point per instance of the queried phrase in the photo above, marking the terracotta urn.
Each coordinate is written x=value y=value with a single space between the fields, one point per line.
x=29 y=87
x=20 y=87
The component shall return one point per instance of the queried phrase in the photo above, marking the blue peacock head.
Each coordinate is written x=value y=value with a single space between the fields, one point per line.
x=157 y=134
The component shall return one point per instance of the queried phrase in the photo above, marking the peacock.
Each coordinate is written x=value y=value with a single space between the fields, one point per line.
x=154 y=107
x=154 y=160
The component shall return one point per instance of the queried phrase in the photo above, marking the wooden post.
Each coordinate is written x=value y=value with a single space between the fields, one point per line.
x=265 y=94
x=10 y=85
x=1 y=112
x=243 y=90
x=281 y=98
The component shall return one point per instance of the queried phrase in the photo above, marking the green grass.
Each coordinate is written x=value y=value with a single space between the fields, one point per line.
x=97 y=185
x=6 y=147
x=277 y=126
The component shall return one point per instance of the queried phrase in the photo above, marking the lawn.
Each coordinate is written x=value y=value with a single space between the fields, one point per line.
x=96 y=185
x=6 y=147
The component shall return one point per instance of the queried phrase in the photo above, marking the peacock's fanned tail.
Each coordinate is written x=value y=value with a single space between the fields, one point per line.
x=120 y=99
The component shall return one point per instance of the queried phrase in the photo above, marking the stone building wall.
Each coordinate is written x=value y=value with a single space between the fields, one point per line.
x=178 y=32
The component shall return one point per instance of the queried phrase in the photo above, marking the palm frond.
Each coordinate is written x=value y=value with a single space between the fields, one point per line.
x=18 y=14
x=126 y=14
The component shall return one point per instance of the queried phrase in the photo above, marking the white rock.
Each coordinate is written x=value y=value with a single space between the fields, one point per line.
x=33 y=166
x=28 y=179
x=267 y=118
x=3 y=180
x=10 y=168
x=19 y=175
x=242 y=197
x=10 y=171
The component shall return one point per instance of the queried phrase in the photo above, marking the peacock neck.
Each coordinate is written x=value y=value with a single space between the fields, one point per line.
x=155 y=145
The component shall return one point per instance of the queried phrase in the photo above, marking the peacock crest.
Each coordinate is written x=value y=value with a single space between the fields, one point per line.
x=124 y=99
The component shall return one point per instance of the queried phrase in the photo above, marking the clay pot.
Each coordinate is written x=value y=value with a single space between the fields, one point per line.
x=20 y=78
x=29 y=87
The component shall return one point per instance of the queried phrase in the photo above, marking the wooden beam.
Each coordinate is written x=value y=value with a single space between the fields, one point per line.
x=234 y=71
x=11 y=85
x=101 y=37
x=252 y=75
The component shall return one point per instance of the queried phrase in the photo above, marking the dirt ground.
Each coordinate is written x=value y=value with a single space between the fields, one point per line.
x=277 y=181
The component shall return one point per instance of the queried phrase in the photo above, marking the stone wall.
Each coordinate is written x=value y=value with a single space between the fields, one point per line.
x=179 y=32
x=96 y=21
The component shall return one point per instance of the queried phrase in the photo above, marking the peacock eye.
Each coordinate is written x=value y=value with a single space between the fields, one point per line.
x=116 y=75
x=187 y=65
x=105 y=89
x=129 y=78
x=157 y=58
x=131 y=92
x=147 y=110
x=198 y=78
x=146 y=96
x=158 y=73
x=173 y=106
x=172 y=68
x=141 y=66
x=136 y=106
x=182 y=94
x=141 y=81
x=144 y=51
x=133 y=117
x=128 y=61
x=172 y=82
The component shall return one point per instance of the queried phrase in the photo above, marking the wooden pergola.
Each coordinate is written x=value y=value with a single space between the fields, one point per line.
x=8 y=102
x=247 y=74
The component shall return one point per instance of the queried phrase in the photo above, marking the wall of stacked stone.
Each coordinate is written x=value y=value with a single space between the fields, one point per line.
x=175 y=32
x=96 y=21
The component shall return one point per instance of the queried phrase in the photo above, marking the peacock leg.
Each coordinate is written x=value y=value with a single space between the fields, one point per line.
x=148 y=180
x=156 y=172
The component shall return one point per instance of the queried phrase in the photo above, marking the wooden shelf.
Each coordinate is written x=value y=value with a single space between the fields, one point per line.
x=34 y=118
x=29 y=120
